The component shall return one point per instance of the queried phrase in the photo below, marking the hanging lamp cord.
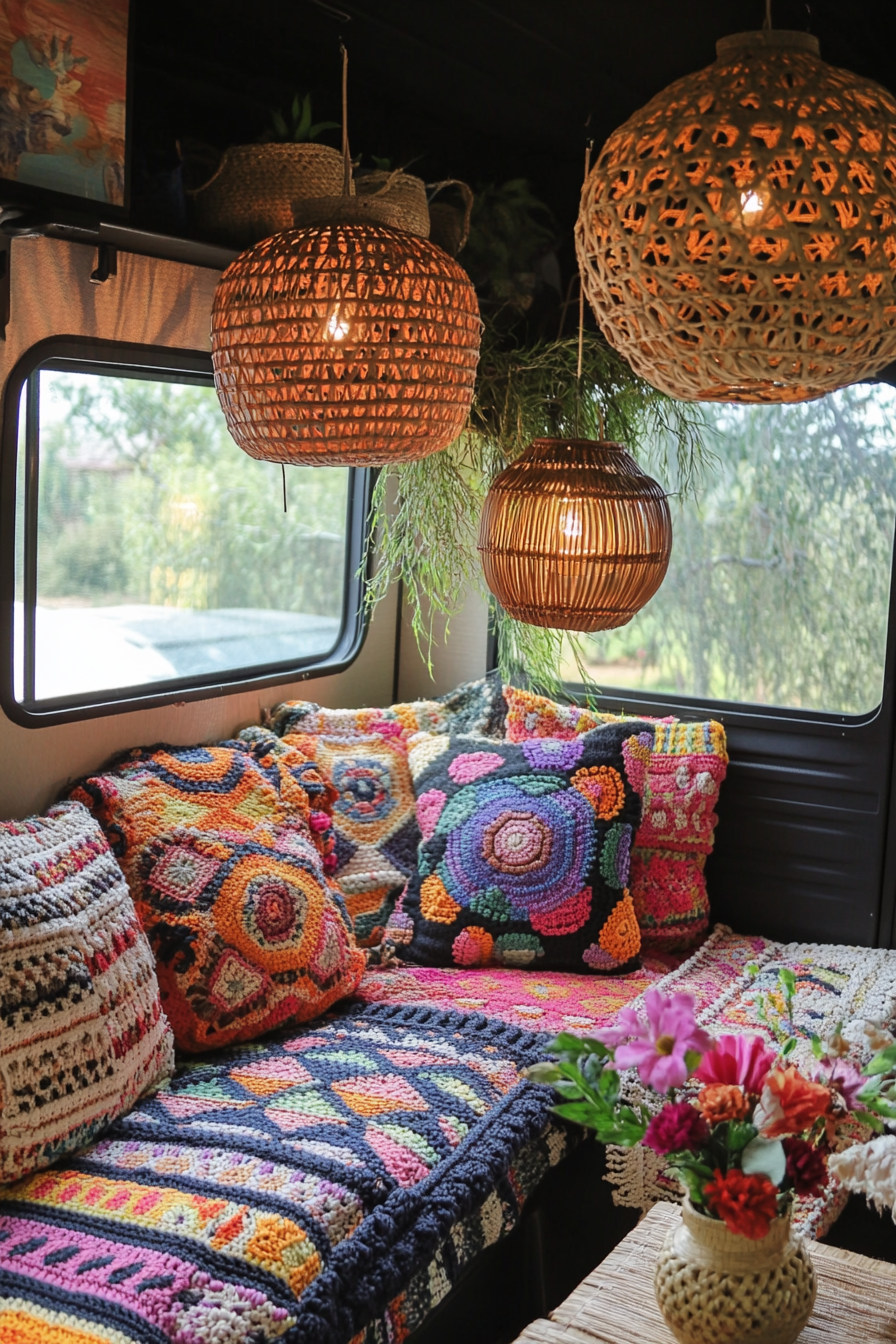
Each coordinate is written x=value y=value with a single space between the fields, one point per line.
x=346 y=156
x=768 y=16
x=578 y=421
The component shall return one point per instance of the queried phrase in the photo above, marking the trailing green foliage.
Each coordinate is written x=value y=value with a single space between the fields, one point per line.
x=426 y=514
x=510 y=229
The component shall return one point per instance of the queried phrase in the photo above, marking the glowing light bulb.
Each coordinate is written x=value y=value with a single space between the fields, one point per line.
x=337 y=327
x=752 y=206
x=572 y=523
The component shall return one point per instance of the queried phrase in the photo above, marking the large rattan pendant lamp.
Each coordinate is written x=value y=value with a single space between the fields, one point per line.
x=737 y=236
x=345 y=343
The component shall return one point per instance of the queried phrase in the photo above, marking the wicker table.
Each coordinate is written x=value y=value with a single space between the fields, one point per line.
x=856 y=1301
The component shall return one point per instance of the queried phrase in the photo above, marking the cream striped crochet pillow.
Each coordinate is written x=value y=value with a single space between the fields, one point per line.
x=82 y=1031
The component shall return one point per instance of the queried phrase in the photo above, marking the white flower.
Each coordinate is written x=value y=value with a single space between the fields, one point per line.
x=878 y=1036
x=869 y=1169
x=836 y=1046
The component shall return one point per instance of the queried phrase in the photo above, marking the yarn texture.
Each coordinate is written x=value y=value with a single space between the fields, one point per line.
x=678 y=768
x=82 y=1031
x=296 y=1192
x=227 y=851
x=333 y=1183
x=374 y=821
x=525 y=855
x=474 y=707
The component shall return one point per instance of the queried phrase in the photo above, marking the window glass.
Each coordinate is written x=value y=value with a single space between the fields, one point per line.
x=163 y=551
x=779 y=584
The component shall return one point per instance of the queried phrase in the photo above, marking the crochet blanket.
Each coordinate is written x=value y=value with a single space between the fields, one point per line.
x=299 y=1189
x=332 y=1184
x=727 y=973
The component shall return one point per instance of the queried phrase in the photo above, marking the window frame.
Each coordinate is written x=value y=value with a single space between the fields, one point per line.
x=747 y=710
x=786 y=763
x=164 y=364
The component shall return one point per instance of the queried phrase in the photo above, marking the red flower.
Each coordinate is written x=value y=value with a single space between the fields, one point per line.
x=745 y=1203
x=678 y=1128
x=806 y=1166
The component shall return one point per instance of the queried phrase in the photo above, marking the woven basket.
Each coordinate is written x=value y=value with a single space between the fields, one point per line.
x=348 y=210
x=449 y=226
x=404 y=196
x=251 y=195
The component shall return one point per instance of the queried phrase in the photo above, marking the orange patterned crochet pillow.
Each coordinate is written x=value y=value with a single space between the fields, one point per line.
x=248 y=934
x=683 y=769
x=226 y=851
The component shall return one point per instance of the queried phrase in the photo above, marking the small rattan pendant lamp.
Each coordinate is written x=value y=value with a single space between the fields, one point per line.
x=574 y=535
x=737 y=236
x=345 y=343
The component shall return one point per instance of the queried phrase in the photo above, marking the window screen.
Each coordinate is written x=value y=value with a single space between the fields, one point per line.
x=150 y=549
x=779 y=585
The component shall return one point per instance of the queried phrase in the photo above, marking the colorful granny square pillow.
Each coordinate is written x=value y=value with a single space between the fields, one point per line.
x=685 y=766
x=374 y=822
x=227 y=852
x=476 y=706
x=249 y=934
x=397 y=722
x=82 y=1031
x=524 y=859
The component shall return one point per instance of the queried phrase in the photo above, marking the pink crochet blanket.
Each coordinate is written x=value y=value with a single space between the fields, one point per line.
x=835 y=984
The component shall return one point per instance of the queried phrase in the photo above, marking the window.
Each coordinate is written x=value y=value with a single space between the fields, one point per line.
x=778 y=589
x=152 y=555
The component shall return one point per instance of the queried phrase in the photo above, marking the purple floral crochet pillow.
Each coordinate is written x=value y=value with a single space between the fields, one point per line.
x=524 y=859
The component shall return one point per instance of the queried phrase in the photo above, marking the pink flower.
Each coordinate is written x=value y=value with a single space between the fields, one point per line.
x=844 y=1080
x=742 y=1060
x=678 y=1128
x=657 y=1047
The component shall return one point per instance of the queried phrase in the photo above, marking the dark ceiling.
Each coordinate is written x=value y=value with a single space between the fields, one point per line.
x=485 y=90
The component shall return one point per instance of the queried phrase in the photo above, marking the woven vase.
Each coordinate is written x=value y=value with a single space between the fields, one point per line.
x=715 y=1287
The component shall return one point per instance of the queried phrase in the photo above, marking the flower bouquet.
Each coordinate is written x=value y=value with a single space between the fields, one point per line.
x=742 y=1127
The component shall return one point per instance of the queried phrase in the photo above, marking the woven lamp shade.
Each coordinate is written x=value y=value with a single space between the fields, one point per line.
x=344 y=345
x=575 y=536
x=737 y=236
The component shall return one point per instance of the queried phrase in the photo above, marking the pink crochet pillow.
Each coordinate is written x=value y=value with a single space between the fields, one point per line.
x=684 y=767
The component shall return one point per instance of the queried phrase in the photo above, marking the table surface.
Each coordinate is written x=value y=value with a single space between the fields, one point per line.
x=856 y=1302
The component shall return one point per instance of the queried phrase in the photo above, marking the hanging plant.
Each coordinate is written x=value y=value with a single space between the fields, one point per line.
x=425 y=515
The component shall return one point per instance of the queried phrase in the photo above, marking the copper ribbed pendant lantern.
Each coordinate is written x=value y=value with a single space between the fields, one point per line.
x=737 y=236
x=575 y=536
x=345 y=344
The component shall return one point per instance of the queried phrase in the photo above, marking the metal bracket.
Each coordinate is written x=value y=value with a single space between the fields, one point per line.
x=5 y=256
x=106 y=264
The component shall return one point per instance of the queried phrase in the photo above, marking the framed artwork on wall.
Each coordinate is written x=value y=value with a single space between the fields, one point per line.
x=64 y=105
